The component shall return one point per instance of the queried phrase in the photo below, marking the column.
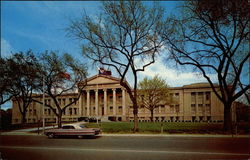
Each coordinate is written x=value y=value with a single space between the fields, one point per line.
x=80 y=105
x=123 y=102
x=114 y=101
x=105 y=101
x=88 y=102
x=96 y=102
x=204 y=109
x=196 y=106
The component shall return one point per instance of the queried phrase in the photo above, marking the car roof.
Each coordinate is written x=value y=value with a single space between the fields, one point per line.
x=70 y=125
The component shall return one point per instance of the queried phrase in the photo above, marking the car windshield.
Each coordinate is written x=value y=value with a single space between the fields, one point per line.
x=82 y=126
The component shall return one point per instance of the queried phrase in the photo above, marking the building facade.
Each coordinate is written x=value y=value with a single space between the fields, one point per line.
x=104 y=98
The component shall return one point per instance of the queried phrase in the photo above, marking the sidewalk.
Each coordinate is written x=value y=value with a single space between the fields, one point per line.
x=29 y=132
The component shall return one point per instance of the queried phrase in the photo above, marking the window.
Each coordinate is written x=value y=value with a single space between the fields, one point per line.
x=177 y=97
x=111 y=109
x=171 y=119
x=120 y=109
x=110 y=98
x=70 y=111
x=142 y=97
x=68 y=127
x=49 y=111
x=59 y=101
x=162 y=108
x=171 y=108
x=200 y=107
x=63 y=101
x=193 y=118
x=70 y=100
x=75 y=99
x=34 y=111
x=177 y=119
x=208 y=108
x=201 y=118
x=207 y=96
x=75 y=109
x=208 y=118
x=193 y=108
x=193 y=97
x=48 y=102
x=177 y=108
x=200 y=96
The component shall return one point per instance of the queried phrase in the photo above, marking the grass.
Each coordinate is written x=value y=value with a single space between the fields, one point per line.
x=150 y=127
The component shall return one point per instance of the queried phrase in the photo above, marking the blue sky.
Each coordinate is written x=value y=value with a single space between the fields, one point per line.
x=40 y=26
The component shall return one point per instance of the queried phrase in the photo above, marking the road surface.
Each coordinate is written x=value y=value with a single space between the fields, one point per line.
x=16 y=147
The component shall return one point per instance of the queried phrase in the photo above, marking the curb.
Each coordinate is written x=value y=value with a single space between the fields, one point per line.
x=175 y=135
x=142 y=135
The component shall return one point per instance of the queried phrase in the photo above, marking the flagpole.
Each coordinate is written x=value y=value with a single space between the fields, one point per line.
x=0 y=104
x=43 y=105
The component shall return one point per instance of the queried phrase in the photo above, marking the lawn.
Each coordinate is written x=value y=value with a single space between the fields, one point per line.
x=156 y=127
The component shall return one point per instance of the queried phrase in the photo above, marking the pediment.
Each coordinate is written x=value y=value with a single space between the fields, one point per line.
x=101 y=79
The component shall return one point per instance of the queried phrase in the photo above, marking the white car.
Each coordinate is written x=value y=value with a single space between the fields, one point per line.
x=72 y=130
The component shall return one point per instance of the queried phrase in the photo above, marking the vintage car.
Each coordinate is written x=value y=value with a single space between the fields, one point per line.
x=72 y=130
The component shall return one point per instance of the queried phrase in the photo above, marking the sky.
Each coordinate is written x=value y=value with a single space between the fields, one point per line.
x=40 y=26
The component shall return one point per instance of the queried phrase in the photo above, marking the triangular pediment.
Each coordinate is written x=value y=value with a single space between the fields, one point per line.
x=102 y=79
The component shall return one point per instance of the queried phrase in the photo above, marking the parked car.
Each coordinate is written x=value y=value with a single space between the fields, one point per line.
x=83 y=119
x=93 y=119
x=72 y=130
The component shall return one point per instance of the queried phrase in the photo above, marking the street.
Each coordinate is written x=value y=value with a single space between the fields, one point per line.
x=122 y=147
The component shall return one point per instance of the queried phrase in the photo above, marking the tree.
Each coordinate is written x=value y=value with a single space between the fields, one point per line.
x=125 y=37
x=213 y=38
x=5 y=81
x=152 y=93
x=60 y=75
x=6 y=117
x=21 y=74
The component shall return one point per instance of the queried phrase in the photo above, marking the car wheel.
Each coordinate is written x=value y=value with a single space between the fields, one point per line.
x=51 y=135
x=80 y=137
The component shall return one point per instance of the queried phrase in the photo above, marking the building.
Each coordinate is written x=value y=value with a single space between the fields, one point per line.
x=106 y=99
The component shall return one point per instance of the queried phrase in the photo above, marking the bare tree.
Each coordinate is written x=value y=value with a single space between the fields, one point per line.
x=61 y=75
x=152 y=93
x=125 y=36
x=213 y=37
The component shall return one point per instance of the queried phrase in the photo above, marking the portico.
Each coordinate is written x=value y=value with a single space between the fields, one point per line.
x=104 y=98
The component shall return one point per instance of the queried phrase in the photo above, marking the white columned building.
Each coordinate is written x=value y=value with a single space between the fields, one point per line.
x=103 y=97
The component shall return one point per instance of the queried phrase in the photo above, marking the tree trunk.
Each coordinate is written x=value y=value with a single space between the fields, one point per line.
x=136 y=128
x=59 y=120
x=135 y=111
x=227 y=117
x=23 y=117
x=152 y=115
